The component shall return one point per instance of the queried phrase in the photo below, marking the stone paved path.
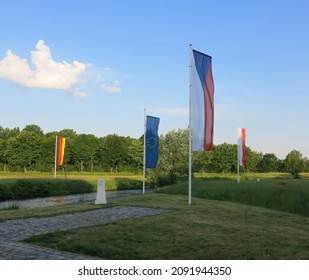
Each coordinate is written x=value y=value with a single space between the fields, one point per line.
x=13 y=231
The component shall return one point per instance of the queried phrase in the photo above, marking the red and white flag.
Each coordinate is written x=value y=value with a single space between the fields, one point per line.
x=241 y=147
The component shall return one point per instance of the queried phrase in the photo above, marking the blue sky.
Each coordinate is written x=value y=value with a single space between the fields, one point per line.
x=93 y=66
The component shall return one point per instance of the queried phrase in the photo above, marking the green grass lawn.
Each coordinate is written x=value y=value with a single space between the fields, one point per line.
x=253 y=220
x=208 y=229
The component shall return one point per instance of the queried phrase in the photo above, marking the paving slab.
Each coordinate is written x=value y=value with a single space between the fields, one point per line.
x=14 y=231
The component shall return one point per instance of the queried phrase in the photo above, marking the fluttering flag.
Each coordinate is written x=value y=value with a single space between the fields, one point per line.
x=241 y=147
x=202 y=102
x=152 y=142
x=60 y=150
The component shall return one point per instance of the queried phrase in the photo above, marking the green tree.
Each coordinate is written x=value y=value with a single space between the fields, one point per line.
x=225 y=158
x=67 y=133
x=113 y=151
x=269 y=163
x=174 y=153
x=33 y=128
x=84 y=150
x=3 y=153
x=294 y=163
x=135 y=154
x=253 y=158
x=306 y=163
x=6 y=133
x=202 y=161
x=24 y=150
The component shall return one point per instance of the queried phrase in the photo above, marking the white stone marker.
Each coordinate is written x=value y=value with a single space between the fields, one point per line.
x=101 y=194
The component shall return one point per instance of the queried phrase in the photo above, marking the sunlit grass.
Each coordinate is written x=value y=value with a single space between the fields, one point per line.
x=205 y=230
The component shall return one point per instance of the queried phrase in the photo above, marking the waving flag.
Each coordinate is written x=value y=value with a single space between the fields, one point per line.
x=152 y=141
x=241 y=140
x=202 y=102
x=60 y=150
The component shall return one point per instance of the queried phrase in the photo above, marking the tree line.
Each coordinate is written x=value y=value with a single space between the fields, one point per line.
x=31 y=149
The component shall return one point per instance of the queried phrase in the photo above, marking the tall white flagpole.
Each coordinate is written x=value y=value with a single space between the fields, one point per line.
x=190 y=129
x=238 y=140
x=144 y=164
x=238 y=179
x=55 y=166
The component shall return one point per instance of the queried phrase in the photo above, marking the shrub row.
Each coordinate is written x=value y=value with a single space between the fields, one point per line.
x=158 y=182
x=33 y=188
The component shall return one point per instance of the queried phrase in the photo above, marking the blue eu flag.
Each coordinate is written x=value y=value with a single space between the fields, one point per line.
x=152 y=141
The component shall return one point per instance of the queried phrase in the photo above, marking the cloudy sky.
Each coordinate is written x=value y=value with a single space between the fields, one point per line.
x=93 y=66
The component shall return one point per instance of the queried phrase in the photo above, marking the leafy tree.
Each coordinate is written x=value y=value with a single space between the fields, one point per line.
x=113 y=151
x=202 y=161
x=225 y=158
x=294 y=163
x=3 y=153
x=33 y=128
x=269 y=163
x=253 y=158
x=6 y=133
x=25 y=149
x=173 y=158
x=67 y=133
x=306 y=163
x=174 y=152
x=136 y=153
x=47 y=159
x=84 y=149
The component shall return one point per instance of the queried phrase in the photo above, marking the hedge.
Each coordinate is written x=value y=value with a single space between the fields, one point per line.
x=33 y=188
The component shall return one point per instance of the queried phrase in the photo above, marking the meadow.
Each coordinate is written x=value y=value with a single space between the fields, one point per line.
x=256 y=219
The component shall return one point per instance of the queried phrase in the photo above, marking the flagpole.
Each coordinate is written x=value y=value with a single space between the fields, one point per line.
x=144 y=163
x=55 y=166
x=238 y=139
x=190 y=129
x=238 y=179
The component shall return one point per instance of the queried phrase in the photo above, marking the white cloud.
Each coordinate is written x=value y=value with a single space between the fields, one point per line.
x=112 y=89
x=45 y=73
x=81 y=94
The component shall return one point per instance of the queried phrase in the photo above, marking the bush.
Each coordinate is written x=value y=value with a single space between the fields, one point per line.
x=29 y=189
x=33 y=188
x=128 y=184
x=5 y=193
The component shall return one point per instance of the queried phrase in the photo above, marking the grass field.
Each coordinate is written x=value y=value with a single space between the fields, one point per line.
x=289 y=195
x=206 y=230
x=225 y=221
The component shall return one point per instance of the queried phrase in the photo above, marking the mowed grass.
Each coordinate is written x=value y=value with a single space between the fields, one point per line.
x=207 y=229
x=252 y=220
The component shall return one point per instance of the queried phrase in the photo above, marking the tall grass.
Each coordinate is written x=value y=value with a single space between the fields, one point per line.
x=289 y=195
